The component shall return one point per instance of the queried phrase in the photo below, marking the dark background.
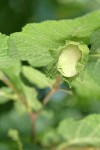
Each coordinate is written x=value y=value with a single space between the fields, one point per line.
x=14 y=14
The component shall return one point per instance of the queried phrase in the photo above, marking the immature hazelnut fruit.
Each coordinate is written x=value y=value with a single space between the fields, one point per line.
x=69 y=57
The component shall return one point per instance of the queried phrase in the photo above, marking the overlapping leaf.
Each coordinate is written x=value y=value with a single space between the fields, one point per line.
x=25 y=94
x=86 y=87
x=93 y=66
x=36 y=77
x=7 y=94
x=79 y=133
x=89 y=85
x=35 y=41
x=72 y=133
x=5 y=59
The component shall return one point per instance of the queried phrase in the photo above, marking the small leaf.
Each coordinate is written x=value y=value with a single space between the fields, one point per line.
x=13 y=133
x=95 y=41
x=93 y=66
x=86 y=87
x=30 y=95
x=7 y=94
x=36 y=77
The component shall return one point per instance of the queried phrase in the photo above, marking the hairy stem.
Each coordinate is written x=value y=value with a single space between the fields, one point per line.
x=34 y=115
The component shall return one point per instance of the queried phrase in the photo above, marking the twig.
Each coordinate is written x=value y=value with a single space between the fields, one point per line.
x=94 y=55
x=33 y=117
x=66 y=91
x=53 y=90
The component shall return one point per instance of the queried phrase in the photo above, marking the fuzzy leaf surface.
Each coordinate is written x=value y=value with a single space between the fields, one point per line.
x=36 y=39
x=5 y=60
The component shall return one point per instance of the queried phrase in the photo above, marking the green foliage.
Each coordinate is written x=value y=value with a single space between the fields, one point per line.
x=74 y=133
x=80 y=132
x=34 y=76
x=5 y=60
x=25 y=57
x=15 y=136
x=35 y=41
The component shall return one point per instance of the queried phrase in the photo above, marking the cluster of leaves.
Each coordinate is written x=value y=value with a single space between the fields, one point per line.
x=25 y=57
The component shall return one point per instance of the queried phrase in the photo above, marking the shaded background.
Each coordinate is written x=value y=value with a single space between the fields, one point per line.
x=14 y=14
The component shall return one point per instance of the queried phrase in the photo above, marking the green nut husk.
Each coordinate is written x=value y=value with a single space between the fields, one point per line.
x=72 y=58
